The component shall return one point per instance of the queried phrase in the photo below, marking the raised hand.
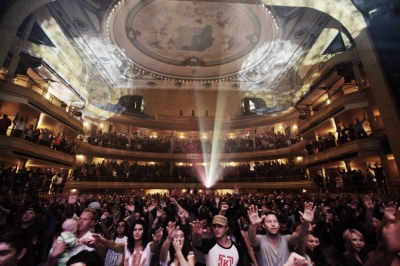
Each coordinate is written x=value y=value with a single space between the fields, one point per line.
x=391 y=231
x=157 y=235
x=73 y=197
x=308 y=214
x=236 y=190
x=160 y=212
x=368 y=202
x=130 y=207
x=197 y=227
x=181 y=213
x=173 y=201
x=389 y=209
x=224 y=207
x=171 y=230
x=104 y=216
x=253 y=215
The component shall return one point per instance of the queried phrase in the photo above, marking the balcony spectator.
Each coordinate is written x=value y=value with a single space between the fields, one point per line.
x=35 y=135
x=45 y=140
x=352 y=134
x=359 y=129
x=19 y=126
x=29 y=132
x=342 y=135
x=5 y=123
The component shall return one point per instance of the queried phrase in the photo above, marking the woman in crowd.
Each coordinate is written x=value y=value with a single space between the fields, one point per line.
x=179 y=253
x=314 y=239
x=138 y=250
x=354 y=242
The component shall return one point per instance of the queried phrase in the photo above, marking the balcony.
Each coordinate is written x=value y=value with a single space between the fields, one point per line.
x=24 y=150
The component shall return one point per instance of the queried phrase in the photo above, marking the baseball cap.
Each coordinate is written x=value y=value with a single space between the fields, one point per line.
x=220 y=219
x=95 y=205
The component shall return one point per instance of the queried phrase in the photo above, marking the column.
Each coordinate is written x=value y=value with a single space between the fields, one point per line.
x=171 y=169
x=389 y=172
x=172 y=141
x=358 y=76
x=323 y=179
x=371 y=121
x=253 y=129
x=129 y=135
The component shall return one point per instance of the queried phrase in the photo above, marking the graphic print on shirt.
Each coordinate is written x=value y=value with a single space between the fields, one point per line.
x=224 y=260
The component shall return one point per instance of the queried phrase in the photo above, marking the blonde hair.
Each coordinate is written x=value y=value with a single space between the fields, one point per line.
x=347 y=240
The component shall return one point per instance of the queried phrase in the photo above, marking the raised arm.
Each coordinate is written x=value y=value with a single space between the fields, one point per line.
x=171 y=230
x=197 y=230
x=104 y=228
x=390 y=246
x=254 y=221
x=301 y=230
x=368 y=214
x=110 y=244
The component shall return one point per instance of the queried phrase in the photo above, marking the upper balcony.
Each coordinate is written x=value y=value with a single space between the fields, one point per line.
x=339 y=103
x=363 y=148
x=24 y=91
x=16 y=149
x=124 y=153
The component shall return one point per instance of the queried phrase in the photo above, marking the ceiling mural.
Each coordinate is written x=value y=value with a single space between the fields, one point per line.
x=190 y=45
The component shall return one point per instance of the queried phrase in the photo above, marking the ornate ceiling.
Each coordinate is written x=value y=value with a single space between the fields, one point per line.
x=137 y=47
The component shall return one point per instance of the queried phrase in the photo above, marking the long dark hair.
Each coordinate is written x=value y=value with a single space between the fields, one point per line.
x=145 y=237
x=185 y=249
x=126 y=230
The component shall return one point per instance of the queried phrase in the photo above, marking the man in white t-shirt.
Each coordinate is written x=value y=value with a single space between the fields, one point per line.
x=19 y=126
x=86 y=221
x=273 y=249
x=219 y=250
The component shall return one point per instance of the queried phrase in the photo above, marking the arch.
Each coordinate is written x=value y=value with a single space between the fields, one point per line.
x=13 y=20
x=347 y=14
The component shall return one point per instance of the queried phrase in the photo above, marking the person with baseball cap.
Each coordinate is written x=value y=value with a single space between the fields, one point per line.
x=220 y=250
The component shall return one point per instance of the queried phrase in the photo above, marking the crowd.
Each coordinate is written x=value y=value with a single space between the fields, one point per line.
x=189 y=145
x=123 y=169
x=40 y=136
x=374 y=180
x=350 y=133
x=268 y=229
x=31 y=180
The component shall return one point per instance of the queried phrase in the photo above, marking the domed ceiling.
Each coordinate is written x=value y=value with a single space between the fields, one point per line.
x=133 y=47
x=192 y=40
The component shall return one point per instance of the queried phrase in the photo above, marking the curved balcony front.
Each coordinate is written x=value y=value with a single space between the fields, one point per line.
x=35 y=97
x=19 y=149
x=125 y=154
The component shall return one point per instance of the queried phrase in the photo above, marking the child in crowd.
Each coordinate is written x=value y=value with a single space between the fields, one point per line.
x=68 y=236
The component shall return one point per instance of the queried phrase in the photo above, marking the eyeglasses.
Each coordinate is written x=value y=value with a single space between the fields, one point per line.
x=120 y=226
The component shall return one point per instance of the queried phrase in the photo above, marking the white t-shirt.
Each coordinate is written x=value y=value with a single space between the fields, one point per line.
x=145 y=257
x=114 y=258
x=217 y=255
x=78 y=249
